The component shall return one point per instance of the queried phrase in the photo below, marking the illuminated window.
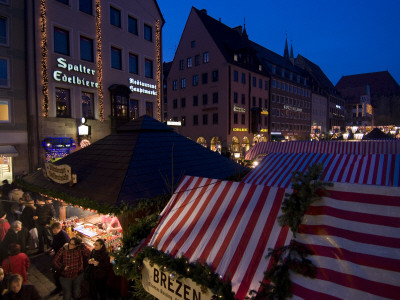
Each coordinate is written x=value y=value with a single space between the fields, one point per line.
x=148 y=32
x=88 y=105
x=174 y=85
x=5 y=111
x=115 y=17
x=86 y=49
x=132 y=25
x=148 y=68
x=195 y=80
x=206 y=57
x=86 y=6
x=189 y=62
x=61 y=41
x=116 y=59
x=133 y=109
x=120 y=106
x=63 y=103
x=4 y=73
x=3 y=30
x=183 y=83
x=149 y=109
x=133 y=64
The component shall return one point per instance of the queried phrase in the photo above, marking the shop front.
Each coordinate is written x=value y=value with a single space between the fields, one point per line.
x=6 y=156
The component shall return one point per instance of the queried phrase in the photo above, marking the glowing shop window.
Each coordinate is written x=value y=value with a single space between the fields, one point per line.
x=4 y=111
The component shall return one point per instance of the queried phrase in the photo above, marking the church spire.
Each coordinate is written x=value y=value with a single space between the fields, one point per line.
x=244 y=29
x=286 y=52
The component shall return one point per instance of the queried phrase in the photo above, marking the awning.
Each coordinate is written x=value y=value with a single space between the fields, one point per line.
x=8 y=151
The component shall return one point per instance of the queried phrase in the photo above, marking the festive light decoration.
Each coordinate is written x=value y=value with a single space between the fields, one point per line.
x=45 y=77
x=158 y=59
x=99 y=61
x=56 y=147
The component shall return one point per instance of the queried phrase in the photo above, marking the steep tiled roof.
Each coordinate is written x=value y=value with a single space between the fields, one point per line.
x=381 y=83
x=136 y=162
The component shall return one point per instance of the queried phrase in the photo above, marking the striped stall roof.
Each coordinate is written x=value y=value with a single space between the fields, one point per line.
x=354 y=233
x=277 y=169
x=343 y=147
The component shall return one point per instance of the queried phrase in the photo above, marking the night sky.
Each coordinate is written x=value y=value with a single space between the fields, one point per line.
x=342 y=37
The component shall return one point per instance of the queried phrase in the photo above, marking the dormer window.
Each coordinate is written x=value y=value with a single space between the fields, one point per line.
x=273 y=69
x=235 y=57
x=259 y=67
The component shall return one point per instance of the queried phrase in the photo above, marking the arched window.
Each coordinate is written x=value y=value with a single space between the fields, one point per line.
x=235 y=144
x=216 y=144
x=202 y=141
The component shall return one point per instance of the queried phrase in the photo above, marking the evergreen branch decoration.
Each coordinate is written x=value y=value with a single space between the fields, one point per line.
x=306 y=190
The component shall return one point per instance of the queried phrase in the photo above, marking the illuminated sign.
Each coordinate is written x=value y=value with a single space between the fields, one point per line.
x=238 y=108
x=264 y=130
x=141 y=87
x=264 y=111
x=292 y=108
x=59 y=76
x=60 y=174
x=166 y=285
x=239 y=129
x=83 y=129
x=174 y=123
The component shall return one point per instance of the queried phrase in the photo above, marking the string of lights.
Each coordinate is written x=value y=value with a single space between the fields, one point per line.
x=158 y=58
x=99 y=61
x=45 y=78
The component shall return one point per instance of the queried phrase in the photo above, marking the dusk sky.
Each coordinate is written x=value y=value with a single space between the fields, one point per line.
x=342 y=37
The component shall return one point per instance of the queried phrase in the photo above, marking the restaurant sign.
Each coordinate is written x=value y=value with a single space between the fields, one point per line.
x=166 y=285
x=59 y=173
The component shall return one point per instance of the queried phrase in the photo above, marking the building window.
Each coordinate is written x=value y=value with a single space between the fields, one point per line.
x=235 y=97
x=183 y=83
x=273 y=83
x=63 y=103
x=4 y=73
x=235 y=119
x=148 y=68
x=195 y=80
x=205 y=99
x=120 y=106
x=243 y=78
x=183 y=102
x=260 y=83
x=181 y=64
x=148 y=32
x=175 y=103
x=215 y=118
x=86 y=6
x=193 y=44
x=266 y=85
x=132 y=25
x=133 y=109
x=206 y=57
x=205 y=119
x=86 y=49
x=215 y=75
x=183 y=121
x=88 y=105
x=235 y=76
x=61 y=41
x=62 y=1
x=133 y=63
x=5 y=111
x=149 y=108
x=254 y=81
x=215 y=97
x=243 y=119
x=195 y=100
x=254 y=101
x=197 y=60
x=174 y=85
x=116 y=58
x=189 y=62
x=115 y=17
x=243 y=99
x=195 y=120
x=204 y=78
x=3 y=31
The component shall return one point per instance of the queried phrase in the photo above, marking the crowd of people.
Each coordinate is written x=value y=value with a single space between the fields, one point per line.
x=25 y=226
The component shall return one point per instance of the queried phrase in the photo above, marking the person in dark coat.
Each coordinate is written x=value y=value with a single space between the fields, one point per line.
x=3 y=283
x=28 y=215
x=44 y=215
x=99 y=265
x=19 y=291
x=15 y=235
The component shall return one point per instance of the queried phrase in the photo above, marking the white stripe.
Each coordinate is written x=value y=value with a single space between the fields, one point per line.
x=372 y=159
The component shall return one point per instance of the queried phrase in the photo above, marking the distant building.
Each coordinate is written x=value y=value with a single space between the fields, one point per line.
x=229 y=92
x=371 y=98
x=328 y=109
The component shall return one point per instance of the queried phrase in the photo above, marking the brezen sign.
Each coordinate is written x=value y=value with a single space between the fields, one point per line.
x=59 y=173
x=160 y=284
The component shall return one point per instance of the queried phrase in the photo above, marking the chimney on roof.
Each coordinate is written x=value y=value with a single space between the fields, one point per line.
x=204 y=11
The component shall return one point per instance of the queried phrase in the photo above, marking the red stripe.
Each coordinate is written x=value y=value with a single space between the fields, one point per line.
x=235 y=224
x=302 y=292
x=259 y=250
x=365 y=198
x=378 y=262
x=346 y=159
x=218 y=202
x=350 y=235
x=183 y=226
x=354 y=216
x=351 y=281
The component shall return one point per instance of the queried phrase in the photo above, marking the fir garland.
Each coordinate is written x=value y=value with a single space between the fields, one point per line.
x=306 y=189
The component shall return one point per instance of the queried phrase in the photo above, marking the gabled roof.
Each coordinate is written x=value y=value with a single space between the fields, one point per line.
x=381 y=83
x=377 y=134
x=136 y=162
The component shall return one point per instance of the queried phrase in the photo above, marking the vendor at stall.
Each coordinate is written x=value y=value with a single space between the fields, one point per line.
x=111 y=223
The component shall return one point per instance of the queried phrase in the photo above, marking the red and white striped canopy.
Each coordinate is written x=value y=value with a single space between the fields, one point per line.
x=355 y=234
x=343 y=147
x=277 y=169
